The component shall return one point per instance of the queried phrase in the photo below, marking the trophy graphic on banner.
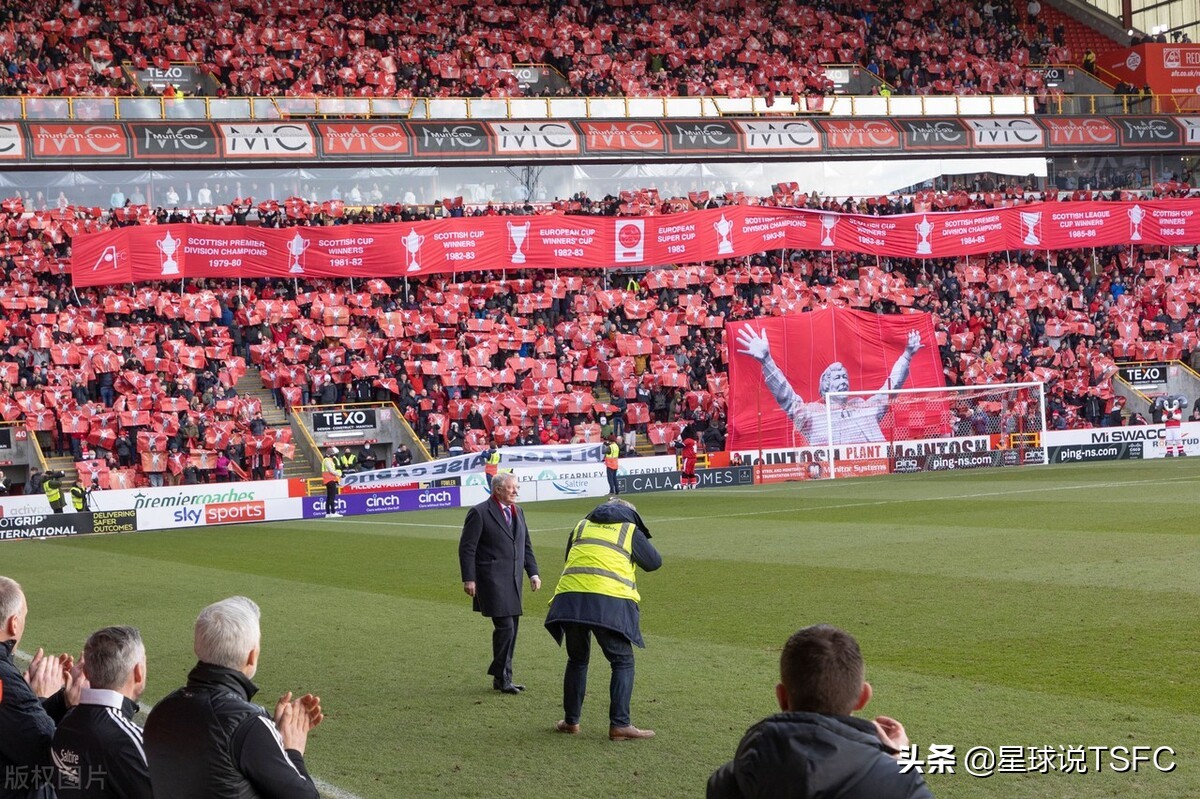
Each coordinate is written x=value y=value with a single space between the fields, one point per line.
x=828 y=223
x=412 y=242
x=168 y=245
x=516 y=234
x=1031 y=219
x=1136 y=214
x=924 y=228
x=724 y=228
x=296 y=249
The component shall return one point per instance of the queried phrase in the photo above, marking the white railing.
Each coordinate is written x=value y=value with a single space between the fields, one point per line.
x=433 y=108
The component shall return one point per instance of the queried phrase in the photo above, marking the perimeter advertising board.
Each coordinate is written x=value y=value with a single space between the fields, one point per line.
x=196 y=495
x=672 y=481
x=372 y=502
x=62 y=525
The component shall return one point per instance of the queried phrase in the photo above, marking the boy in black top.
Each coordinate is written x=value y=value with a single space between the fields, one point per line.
x=815 y=747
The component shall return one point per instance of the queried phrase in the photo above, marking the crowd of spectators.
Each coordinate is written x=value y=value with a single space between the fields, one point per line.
x=600 y=47
x=139 y=381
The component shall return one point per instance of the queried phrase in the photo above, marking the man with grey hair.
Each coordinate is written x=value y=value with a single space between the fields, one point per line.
x=492 y=553
x=30 y=703
x=853 y=420
x=97 y=749
x=209 y=741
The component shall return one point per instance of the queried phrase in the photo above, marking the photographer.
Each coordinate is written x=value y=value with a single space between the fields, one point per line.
x=52 y=487
x=78 y=498
x=81 y=498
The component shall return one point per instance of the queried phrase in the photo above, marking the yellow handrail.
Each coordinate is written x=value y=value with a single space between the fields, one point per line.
x=37 y=447
x=314 y=450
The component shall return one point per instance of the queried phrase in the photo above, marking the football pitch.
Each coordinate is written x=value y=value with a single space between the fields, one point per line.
x=1043 y=608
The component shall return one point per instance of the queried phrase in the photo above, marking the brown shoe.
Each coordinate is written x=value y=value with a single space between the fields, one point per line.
x=630 y=733
x=569 y=729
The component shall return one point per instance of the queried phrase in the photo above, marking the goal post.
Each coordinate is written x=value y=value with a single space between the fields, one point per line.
x=934 y=429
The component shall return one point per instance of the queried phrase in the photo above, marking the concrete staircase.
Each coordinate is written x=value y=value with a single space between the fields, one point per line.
x=251 y=385
x=64 y=464
x=644 y=447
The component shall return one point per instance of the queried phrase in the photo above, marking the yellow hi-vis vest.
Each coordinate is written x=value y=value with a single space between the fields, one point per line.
x=600 y=561
x=330 y=473
x=53 y=493
x=78 y=497
x=611 y=453
x=492 y=464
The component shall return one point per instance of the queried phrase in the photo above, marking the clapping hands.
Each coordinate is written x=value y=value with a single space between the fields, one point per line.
x=295 y=717
x=48 y=675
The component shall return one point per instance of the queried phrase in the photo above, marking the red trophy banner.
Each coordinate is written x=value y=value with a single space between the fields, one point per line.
x=780 y=369
x=173 y=252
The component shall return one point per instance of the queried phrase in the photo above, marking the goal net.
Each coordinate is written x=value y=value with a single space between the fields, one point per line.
x=929 y=430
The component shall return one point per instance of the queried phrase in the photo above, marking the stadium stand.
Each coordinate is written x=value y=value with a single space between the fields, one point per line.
x=712 y=47
x=132 y=381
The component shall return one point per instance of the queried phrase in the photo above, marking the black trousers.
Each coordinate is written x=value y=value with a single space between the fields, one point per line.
x=612 y=481
x=504 y=643
x=619 y=653
x=331 y=492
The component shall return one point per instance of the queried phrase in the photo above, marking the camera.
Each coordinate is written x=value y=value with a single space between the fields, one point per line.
x=57 y=475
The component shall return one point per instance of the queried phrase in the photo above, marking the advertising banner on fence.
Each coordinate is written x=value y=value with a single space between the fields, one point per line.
x=23 y=505
x=114 y=521
x=245 y=511
x=53 y=525
x=196 y=495
x=403 y=476
x=1150 y=440
x=371 y=502
x=790 y=472
x=781 y=367
x=61 y=525
x=862 y=460
x=171 y=252
x=671 y=481
x=1085 y=453
x=567 y=481
x=647 y=465
x=189 y=141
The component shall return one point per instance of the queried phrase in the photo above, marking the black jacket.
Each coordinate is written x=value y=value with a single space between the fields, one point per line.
x=613 y=613
x=97 y=750
x=493 y=555
x=26 y=728
x=802 y=755
x=208 y=741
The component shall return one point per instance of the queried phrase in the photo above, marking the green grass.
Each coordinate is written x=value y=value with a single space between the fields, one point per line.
x=1035 y=607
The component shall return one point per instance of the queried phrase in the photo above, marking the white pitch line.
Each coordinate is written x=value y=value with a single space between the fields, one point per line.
x=333 y=791
x=327 y=789
x=821 y=507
